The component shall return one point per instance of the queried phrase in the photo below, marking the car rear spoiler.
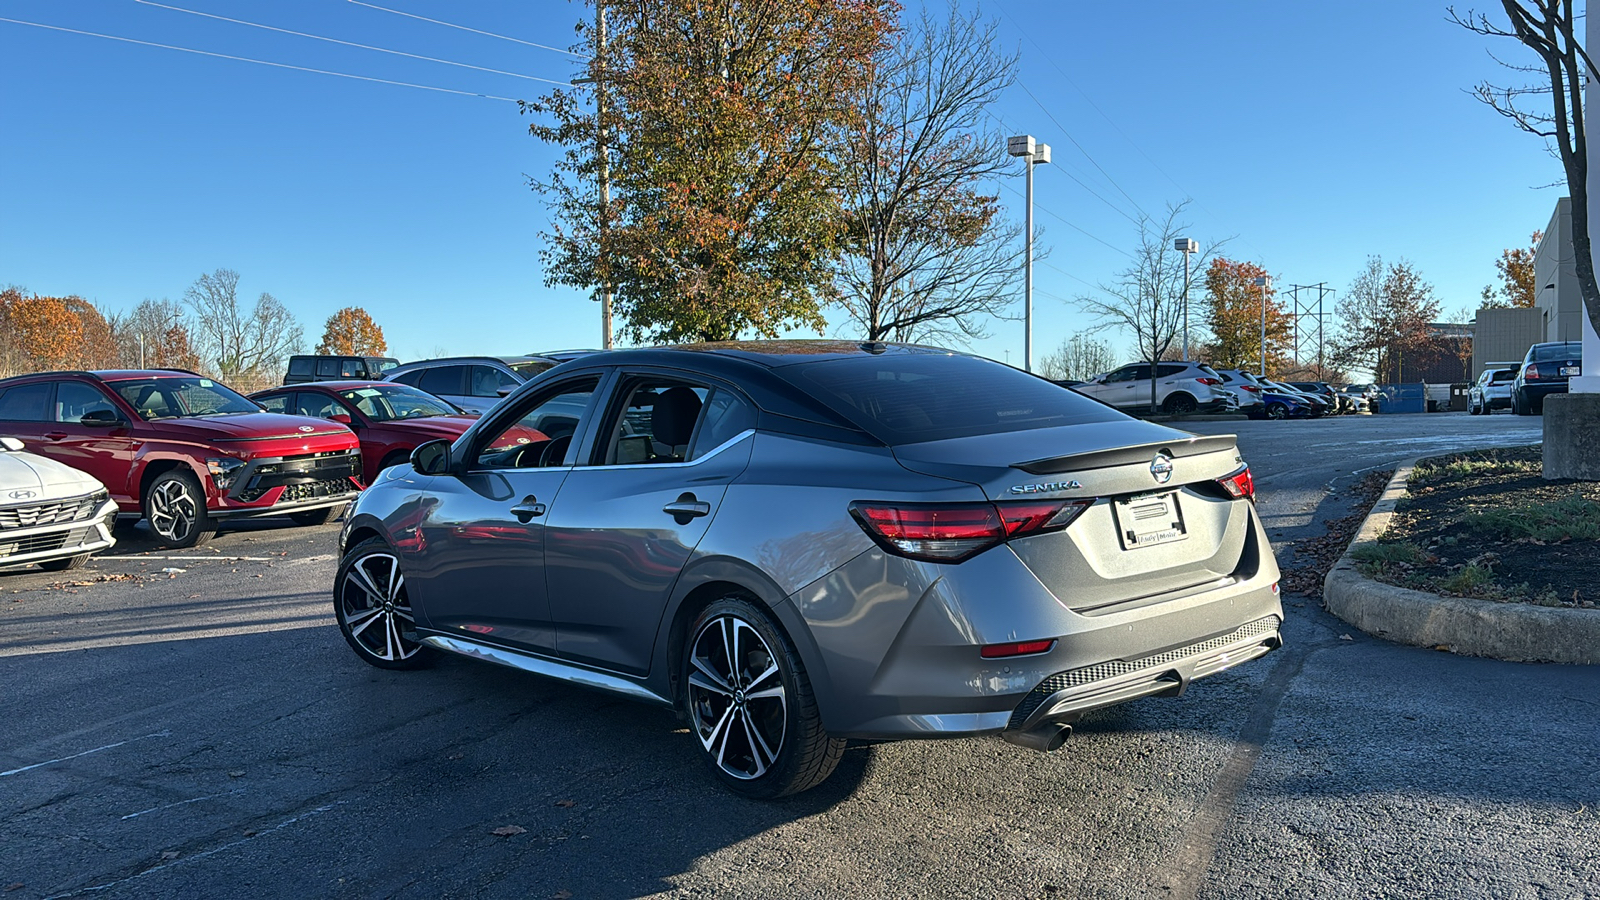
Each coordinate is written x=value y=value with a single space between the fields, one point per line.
x=1122 y=456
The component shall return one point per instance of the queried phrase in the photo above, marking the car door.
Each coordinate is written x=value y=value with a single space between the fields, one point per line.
x=25 y=414
x=477 y=561
x=1105 y=387
x=628 y=521
x=103 y=449
x=450 y=383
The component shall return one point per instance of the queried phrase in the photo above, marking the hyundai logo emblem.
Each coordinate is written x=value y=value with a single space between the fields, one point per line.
x=1161 y=468
x=23 y=495
x=307 y=428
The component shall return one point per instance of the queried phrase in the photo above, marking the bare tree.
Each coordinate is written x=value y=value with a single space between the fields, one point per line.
x=927 y=256
x=1384 y=313
x=232 y=339
x=1079 y=357
x=1147 y=298
x=145 y=335
x=1549 y=29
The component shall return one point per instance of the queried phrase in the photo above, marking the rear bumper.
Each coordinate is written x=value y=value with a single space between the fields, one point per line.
x=897 y=644
x=1538 y=390
x=43 y=543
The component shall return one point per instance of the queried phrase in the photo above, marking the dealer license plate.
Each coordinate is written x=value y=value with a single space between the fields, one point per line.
x=1571 y=370
x=1149 y=519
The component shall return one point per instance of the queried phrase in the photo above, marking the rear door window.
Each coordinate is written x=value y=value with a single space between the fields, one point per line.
x=277 y=403
x=903 y=399
x=443 y=380
x=487 y=381
x=26 y=403
x=1169 y=370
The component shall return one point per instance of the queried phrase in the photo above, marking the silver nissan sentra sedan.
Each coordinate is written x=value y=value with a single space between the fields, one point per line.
x=799 y=543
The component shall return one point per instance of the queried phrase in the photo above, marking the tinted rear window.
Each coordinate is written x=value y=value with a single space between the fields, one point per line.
x=1551 y=352
x=909 y=399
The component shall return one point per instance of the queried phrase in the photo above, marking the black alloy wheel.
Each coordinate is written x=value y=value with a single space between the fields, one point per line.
x=750 y=704
x=373 y=609
x=1180 y=405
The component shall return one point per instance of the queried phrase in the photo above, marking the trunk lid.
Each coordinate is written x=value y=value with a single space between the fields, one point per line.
x=1115 y=554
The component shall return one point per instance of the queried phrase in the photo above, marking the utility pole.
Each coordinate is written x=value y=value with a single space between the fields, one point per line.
x=605 y=165
x=1262 y=281
x=1311 y=309
x=1187 y=247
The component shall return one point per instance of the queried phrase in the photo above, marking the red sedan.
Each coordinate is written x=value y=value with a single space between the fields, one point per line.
x=390 y=419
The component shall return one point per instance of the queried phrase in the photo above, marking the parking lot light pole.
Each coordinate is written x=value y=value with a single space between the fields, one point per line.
x=1032 y=154
x=1187 y=247
x=1262 y=281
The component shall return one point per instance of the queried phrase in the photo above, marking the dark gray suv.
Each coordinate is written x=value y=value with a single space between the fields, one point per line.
x=797 y=543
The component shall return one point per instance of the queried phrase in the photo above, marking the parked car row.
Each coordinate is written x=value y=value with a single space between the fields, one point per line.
x=1186 y=387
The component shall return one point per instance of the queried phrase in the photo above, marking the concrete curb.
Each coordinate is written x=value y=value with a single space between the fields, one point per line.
x=1518 y=632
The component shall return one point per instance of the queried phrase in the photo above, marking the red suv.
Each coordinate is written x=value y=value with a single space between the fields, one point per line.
x=390 y=419
x=184 y=451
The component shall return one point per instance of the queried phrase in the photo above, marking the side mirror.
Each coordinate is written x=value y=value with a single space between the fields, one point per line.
x=100 y=418
x=432 y=458
x=504 y=390
x=12 y=444
x=341 y=418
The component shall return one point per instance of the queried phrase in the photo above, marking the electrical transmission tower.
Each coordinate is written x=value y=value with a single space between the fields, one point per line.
x=1309 y=320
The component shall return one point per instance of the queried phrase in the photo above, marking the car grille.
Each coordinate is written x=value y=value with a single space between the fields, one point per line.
x=47 y=513
x=1105 y=671
x=41 y=543
x=302 y=477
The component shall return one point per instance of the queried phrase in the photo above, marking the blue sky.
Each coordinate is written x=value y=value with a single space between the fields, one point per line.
x=1303 y=130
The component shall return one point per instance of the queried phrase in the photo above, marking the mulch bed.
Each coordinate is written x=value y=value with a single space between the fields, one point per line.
x=1523 y=538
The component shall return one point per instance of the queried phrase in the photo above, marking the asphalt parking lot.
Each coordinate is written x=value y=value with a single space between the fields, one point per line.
x=206 y=733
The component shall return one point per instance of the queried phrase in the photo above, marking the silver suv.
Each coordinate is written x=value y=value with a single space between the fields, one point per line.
x=1180 y=387
x=798 y=543
x=472 y=383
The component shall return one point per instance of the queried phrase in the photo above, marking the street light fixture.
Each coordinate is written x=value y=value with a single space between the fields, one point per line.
x=1187 y=247
x=1261 y=281
x=1032 y=153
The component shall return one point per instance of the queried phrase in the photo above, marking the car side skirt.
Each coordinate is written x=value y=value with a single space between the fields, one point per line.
x=550 y=668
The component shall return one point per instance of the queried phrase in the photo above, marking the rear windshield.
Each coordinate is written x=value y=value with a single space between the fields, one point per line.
x=1552 y=352
x=909 y=399
x=529 y=368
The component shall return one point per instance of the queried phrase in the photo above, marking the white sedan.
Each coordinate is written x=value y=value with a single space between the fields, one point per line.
x=51 y=515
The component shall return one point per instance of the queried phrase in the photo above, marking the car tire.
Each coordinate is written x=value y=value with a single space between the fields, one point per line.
x=1518 y=407
x=373 y=609
x=1277 y=411
x=316 y=516
x=733 y=648
x=64 y=565
x=1179 y=404
x=175 y=507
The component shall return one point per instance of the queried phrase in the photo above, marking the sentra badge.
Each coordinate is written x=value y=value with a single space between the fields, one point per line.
x=1048 y=487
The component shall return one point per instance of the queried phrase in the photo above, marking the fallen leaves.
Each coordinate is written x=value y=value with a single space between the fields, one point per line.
x=509 y=831
x=566 y=804
x=169 y=854
x=1313 y=557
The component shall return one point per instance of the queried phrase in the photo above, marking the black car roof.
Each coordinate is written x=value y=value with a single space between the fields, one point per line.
x=776 y=354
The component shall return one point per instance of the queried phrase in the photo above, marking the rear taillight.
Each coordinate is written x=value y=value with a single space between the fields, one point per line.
x=1251 y=388
x=1240 y=485
x=1209 y=380
x=1531 y=373
x=951 y=532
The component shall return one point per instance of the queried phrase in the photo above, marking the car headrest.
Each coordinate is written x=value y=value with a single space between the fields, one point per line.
x=673 y=416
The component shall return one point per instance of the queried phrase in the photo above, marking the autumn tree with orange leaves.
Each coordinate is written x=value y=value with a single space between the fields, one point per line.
x=40 y=332
x=1516 y=288
x=351 y=332
x=720 y=117
x=1234 y=317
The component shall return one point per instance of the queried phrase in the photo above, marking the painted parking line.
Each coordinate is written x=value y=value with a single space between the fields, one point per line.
x=192 y=558
x=84 y=753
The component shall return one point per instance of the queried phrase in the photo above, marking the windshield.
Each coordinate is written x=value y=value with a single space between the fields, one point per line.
x=906 y=399
x=1552 y=352
x=388 y=402
x=530 y=368
x=180 y=397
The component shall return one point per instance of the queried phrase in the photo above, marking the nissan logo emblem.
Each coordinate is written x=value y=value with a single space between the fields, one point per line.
x=1161 y=468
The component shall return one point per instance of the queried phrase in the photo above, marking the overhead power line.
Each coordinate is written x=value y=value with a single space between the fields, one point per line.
x=262 y=62
x=1067 y=222
x=318 y=37
x=465 y=28
x=1085 y=153
x=1068 y=172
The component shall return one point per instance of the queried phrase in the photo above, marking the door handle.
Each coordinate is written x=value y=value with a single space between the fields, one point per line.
x=56 y=435
x=686 y=507
x=529 y=508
